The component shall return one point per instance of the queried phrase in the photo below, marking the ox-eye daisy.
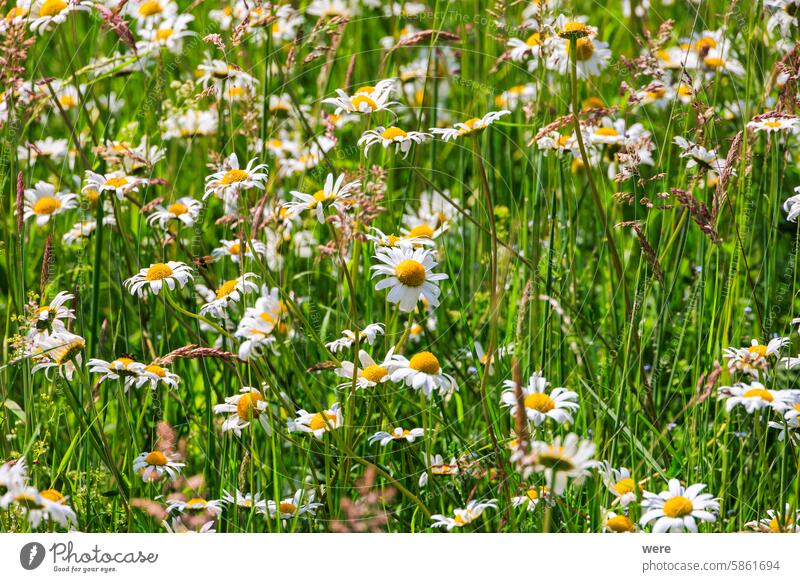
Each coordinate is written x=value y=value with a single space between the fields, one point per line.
x=51 y=317
x=386 y=136
x=230 y=291
x=397 y=434
x=422 y=372
x=471 y=126
x=157 y=275
x=532 y=497
x=563 y=459
x=334 y=194
x=470 y=513
x=245 y=500
x=754 y=358
x=436 y=465
x=117 y=182
x=369 y=374
x=152 y=465
x=792 y=206
x=677 y=509
x=156 y=374
x=365 y=99
x=368 y=334
x=184 y=210
x=617 y=523
x=61 y=351
x=292 y=507
x=774 y=123
x=236 y=249
x=620 y=483
x=230 y=178
x=317 y=423
x=787 y=521
x=754 y=396
x=242 y=409
x=539 y=405
x=42 y=201
x=409 y=276
x=46 y=14
x=257 y=326
x=195 y=505
x=122 y=368
x=40 y=506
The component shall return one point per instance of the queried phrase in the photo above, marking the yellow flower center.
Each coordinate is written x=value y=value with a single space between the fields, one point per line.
x=235 y=249
x=156 y=458
x=358 y=100
x=164 y=33
x=758 y=350
x=410 y=272
x=422 y=230
x=714 y=62
x=374 y=373
x=773 y=124
x=46 y=205
x=532 y=494
x=67 y=101
x=287 y=507
x=247 y=407
x=553 y=458
x=775 y=526
x=234 y=175
x=393 y=132
x=124 y=361
x=196 y=503
x=425 y=362
x=320 y=421
x=538 y=401
x=178 y=209
x=534 y=40
x=606 y=132
x=69 y=351
x=150 y=8
x=705 y=43
x=365 y=89
x=574 y=29
x=158 y=271
x=758 y=393
x=52 y=495
x=624 y=486
x=16 y=12
x=27 y=501
x=620 y=523
x=118 y=182
x=156 y=369
x=52 y=7
x=227 y=288
x=678 y=506
x=584 y=49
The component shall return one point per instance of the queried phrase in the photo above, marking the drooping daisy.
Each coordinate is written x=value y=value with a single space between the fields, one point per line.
x=753 y=396
x=591 y=55
x=787 y=521
x=539 y=404
x=387 y=136
x=532 y=497
x=47 y=14
x=677 y=509
x=783 y=15
x=292 y=507
x=422 y=372
x=397 y=434
x=13 y=474
x=563 y=459
x=39 y=506
x=699 y=156
x=470 y=513
x=184 y=210
x=236 y=249
x=365 y=99
x=410 y=276
x=436 y=466
x=51 y=317
x=381 y=239
x=123 y=368
x=117 y=182
x=42 y=201
x=756 y=357
x=152 y=465
x=369 y=334
x=155 y=374
x=369 y=374
x=242 y=409
x=333 y=194
x=620 y=483
x=774 y=123
x=61 y=351
x=257 y=326
x=471 y=126
x=317 y=423
x=230 y=179
x=157 y=275
x=248 y=501
x=533 y=49
x=229 y=292
x=792 y=206
x=617 y=523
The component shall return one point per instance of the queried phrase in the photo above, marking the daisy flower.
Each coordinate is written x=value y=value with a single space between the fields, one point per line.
x=155 y=374
x=148 y=13
x=436 y=466
x=677 y=509
x=230 y=179
x=787 y=521
x=242 y=409
x=245 y=500
x=369 y=374
x=230 y=291
x=190 y=123
x=42 y=201
x=117 y=182
x=333 y=194
x=317 y=423
x=184 y=210
x=292 y=507
x=195 y=505
x=178 y=526
x=699 y=156
x=792 y=206
x=754 y=358
x=783 y=15
x=152 y=465
x=563 y=459
x=617 y=523
x=157 y=275
x=471 y=126
x=40 y=506
x=123 y=368
x=397 y=434
x=369 y=334
x=328 y=8
x=381 y=239
x=620 y=483
x=51 y=317
x=47 y=14
x=168 y=34
x=753 y=396
x=533 y=496
x=591 y=56
x=365 y=99
x=257 y=326
x=532 y=48
x=386 y=136
x=13 y=474
x=774 y=123
x=539 y=405
x=235 y=249
x=61 y=350
x=409 y=276
x=470 y=513
x=422 y=372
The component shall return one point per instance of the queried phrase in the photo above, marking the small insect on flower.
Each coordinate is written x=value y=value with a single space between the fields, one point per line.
x=242 y=409
x=365 y=99
x=292 y=507
x=333 y=194
x=368 y=335
x=774 y=123
x=317 y=423
x=195 y=505
x=409 y=276
x=754 y=396
x=369 y=374
x=620 y=483
x=50 y=318
x=231 y=179
x=563 y=459
x=787 y=521
x=470 y=513
x=386 y=136
x=532 y=497
x=539 y=404
x=422 y=372
x=61 y=351
x=42 y=202
x=471 y=126
x=236 y=249
x=436 y=466
x=677 y=509
x=151 y=466
x=617 y=523
x=185 y=210
x=157 y=275
x=47 y=14
x=229 y=292
x=397 y=434
x=754 y=358
x=117 y=182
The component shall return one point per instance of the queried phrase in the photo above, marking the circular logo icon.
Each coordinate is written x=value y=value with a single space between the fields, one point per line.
x=31 y=555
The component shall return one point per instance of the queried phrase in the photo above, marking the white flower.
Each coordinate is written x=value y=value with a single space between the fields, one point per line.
x=195 y=504
x=470 y=126
x=246 y=501
x=787 y=521
x=168 y=34
x=123 y=368
x=46 y=14
x=620 y=483
x=386 y=136
x=464 y=516
x=774 y=123
x=157 y=275
x=754 y=358
x=792 y=206
x=49 y=318
x=754 y=396
x=155 y=374
x=365 y=99
x=40 y=506
x=235 y=249
x=699 y=156
x=422 y=372
x=190 y=123
x=369 y=374
x=185 y=210
x=259 y=322
x=397 y=434
x=230 y=291
x=617 y=523
x=676 y=509
x=242 y=409
x=368 y=334
x=230 y=179
x=409 y=276
x=292 y=507
x=436 y=466
x=317 y=423
x=152 y=465
x=533 y=496
x=561 y=460
x=539 y=405
x=42 y=201
x=333 y=194
x=117 y=182
x=61 y=350
x=149 y=13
